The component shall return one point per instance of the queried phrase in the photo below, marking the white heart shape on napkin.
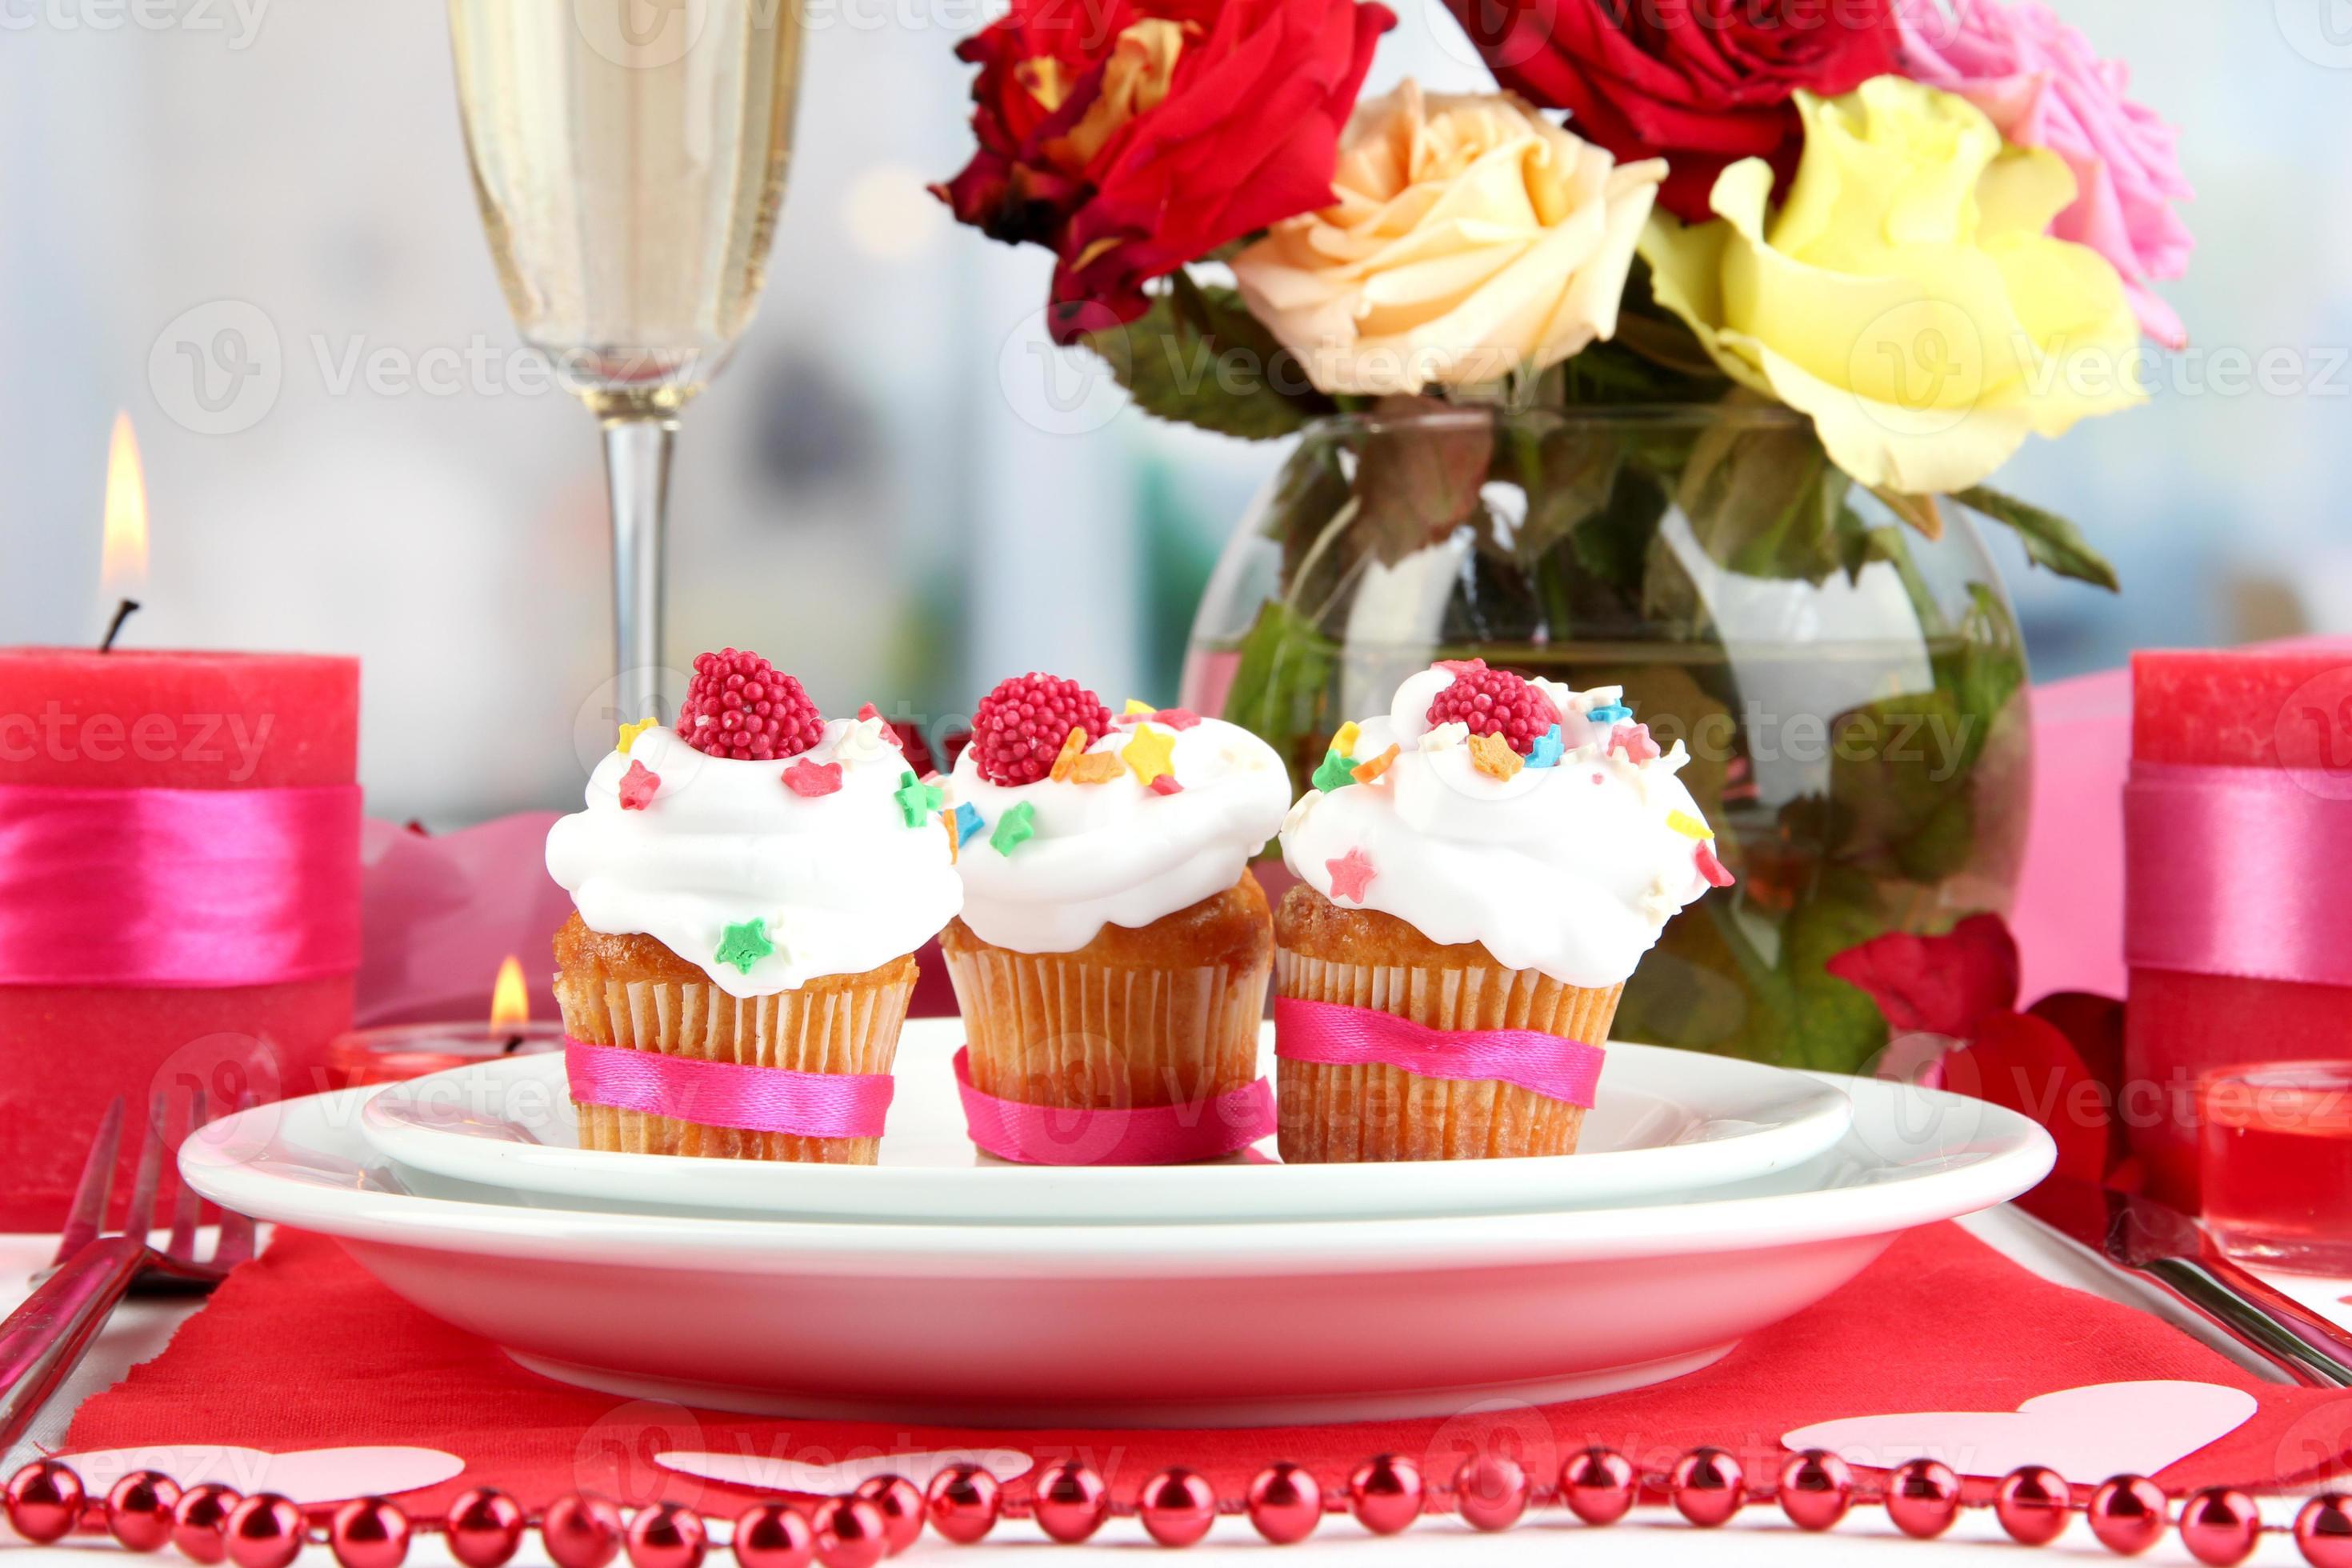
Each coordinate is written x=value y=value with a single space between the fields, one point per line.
x=305 y=1475
x=826 y=1481
x=2084 y=1434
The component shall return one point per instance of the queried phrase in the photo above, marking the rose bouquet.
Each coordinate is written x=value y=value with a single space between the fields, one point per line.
x=1708 y=291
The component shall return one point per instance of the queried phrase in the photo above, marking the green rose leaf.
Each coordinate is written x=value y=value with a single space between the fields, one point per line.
x=1281 y=686
x=1417 y=479
x=2049 y=539
x=1198 y=357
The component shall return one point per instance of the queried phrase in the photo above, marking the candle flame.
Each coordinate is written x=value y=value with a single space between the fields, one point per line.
x=124 y=562
x=510 y=998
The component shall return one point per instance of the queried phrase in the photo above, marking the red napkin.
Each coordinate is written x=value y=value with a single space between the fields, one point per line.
x=302 y=1349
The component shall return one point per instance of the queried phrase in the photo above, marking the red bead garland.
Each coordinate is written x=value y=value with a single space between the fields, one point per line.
x=1707 y=1486
x=368 y=1532
x=1923 y=1498
x=1177 y=1507
x=210 y=1523
x=44 y=1502
x=200 y=1521
x=2127 y=1513
x=138 y=1510
x=962 y=1503
x=1386 y=1493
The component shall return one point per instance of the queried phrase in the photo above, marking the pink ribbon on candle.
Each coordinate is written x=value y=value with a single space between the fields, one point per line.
x=1141 y=1135
x=728 y=1094
x=1339 y=1035
x=178 y=888
x=2238 y=871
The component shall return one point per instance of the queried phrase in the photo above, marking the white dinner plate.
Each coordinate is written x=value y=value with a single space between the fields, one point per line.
x=1146 y=1324
x=1666 y=1122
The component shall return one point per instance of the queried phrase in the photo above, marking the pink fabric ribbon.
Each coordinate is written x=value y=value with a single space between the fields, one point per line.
x=2238 y=871
x=1341 y=1036
x=728 y=1094
x=178 y=888
x=1143 y=1135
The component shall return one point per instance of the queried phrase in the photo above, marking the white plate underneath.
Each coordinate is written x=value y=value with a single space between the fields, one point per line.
x=1141 y=1325
x=1667 y=1121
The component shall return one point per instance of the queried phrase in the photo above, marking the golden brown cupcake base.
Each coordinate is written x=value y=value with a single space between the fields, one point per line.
x=634 y=992
x=1363 y=958
x=1159 y=1015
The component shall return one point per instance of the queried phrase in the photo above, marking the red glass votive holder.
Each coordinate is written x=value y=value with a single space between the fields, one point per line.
x=2275 y=1163
x=395 y=1052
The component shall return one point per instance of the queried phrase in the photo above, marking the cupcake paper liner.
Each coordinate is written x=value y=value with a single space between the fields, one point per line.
x=836 y=1027
x=1336 y=1113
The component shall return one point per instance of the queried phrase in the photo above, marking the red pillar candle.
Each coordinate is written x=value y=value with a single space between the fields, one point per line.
x=125 y=731
x=2284 y=709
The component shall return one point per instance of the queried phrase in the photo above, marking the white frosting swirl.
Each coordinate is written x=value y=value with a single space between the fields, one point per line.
x=840 y=881
x=1570 y=870
x=1116 y=853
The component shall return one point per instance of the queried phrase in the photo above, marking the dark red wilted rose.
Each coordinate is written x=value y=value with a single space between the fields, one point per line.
x=1702 y=83
x=1132 y=136
x=1937 y=985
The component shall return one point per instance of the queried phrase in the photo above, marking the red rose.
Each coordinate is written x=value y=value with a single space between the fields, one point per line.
x=1133 y=136
x=1702 y=83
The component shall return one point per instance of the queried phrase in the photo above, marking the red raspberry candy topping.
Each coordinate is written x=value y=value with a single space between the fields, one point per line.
x=1019 y=727
x=1494 y=702
x=739 y=705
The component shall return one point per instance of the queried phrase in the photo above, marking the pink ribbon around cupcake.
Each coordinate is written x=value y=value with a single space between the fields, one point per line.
x=1337 y=1035
x=1140 y=1135
x=728 y=1094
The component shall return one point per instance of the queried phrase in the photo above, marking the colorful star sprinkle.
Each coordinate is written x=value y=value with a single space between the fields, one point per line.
x=1176 y=718
x=637 y=786
x=1710 y=868
x=1165 y=785
x=808 y=780
x=1614 y=714
x=1336 y=771
x=1689 y=826
x=917 y=800
x=1373 y=767
x=744 y=945
x=969 y=822
x=629 y=733
x=1492 y=755
x=1150 y=754
x=1350 y=874
x=1135 y=710
x=1095 y=768
x=1074 y=746
x=867 y=739
x=1633 y=739
x=955 y=840
x=1014 y=828
x=1548 y=748
x=1344 y=739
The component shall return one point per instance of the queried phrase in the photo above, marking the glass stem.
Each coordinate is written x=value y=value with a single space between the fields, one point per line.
x=637 y=476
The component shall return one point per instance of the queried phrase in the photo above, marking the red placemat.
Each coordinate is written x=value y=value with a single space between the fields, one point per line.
x=302 y=1349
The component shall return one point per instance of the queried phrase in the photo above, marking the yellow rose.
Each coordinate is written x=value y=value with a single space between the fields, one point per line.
x=1906 y=296
x=1471 y=236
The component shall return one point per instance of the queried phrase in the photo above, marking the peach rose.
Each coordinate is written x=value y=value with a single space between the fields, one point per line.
x=1470 y=237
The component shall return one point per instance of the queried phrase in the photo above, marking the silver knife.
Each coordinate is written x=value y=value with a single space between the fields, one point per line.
x=2164 y=1246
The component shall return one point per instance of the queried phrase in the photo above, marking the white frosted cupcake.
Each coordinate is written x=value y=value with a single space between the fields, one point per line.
x=1491 y=854
x=1113 y=951
x=751 y=889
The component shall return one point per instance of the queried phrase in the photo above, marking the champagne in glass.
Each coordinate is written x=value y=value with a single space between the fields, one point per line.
x=628 y=157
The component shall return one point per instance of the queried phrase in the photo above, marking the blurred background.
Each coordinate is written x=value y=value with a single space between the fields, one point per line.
x=899 y=490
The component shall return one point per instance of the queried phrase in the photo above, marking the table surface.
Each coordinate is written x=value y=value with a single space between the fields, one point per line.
x=1653 y=1538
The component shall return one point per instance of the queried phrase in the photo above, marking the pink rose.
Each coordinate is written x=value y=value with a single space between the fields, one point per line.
x=2038 y=80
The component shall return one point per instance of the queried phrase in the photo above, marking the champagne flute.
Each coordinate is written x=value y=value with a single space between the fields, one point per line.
x=628 y=158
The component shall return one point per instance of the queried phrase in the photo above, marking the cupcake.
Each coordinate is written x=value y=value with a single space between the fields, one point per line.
x=750 y=890
x=1492 y=854
x=1114 y=949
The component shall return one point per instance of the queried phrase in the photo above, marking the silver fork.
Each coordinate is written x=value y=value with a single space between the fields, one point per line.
x=46 y=1338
